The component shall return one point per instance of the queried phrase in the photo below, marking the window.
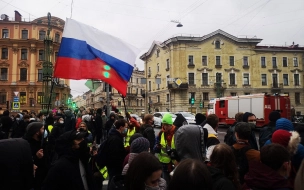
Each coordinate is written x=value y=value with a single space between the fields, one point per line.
x=158 y=86
x=4 y=53
x=137 y=80
x=285 y=79
x=295 y=62
x=247 y=93
x=157 y=53
x=245 y=61
x=275 y=80
x=40 y=75
x=205 y=96
x=232 y=78
x=217 y=44
x=136 y=91
x=158 y=99
x=231 y=60
x=168 y=76
x=2 y=97
x=149 y=71
x=23 y=74
x=168 y=64
x=41 y=55
x=232 y=93
x=222 y=103
x=297 y=98
x=56 y=55
x=190 y=58
x=218 y=60
x=137 y=102
x=284 y=61
x=119 y=103
x=157 y=67
x=141 y=102
x=205 y=79
x=218 y=78
x=274 y=62
x=191 y=78
x=40 y=97
x=24 y=34
x=131 y=79
x=296 y=79
x=167 y=97
x=23 y=54
x=41 y=35
x=5 y=33
x=3 y=73
x=57 y=37
x=246 y=79
x=263 y=61
x=264 y=79
x=149 y=85
x=204 y=60
x=22 y=97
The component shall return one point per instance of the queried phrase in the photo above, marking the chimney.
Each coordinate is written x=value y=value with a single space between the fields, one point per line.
x=17 y=16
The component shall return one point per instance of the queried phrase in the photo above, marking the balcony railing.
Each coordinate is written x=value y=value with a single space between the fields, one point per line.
x=175 y=86
x=277 y=85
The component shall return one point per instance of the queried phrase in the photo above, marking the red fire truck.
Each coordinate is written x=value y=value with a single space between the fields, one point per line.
x=258 y=104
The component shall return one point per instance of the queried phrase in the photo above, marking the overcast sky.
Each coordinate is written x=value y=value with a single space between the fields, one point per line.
x=140 y=22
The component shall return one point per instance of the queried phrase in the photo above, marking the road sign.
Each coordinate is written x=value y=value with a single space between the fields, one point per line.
x=16 y=93
x=16 y=99
x=178 y=81
x=16 y=105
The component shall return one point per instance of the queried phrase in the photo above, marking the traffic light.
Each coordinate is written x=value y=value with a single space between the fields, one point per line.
x=69 y=101
x=74 y=105
x=192 y=101
x=201 y=104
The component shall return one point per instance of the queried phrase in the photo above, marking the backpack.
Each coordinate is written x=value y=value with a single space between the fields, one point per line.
x=265 y=135
x=101 y=158
x=241 y=161
x=229 y=137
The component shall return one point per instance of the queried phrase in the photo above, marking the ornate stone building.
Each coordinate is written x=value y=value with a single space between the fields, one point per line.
x=216 y=65
x=22 y=56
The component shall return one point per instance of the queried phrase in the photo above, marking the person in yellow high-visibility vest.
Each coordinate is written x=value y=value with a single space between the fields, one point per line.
x=165 y=143
x=131 y=132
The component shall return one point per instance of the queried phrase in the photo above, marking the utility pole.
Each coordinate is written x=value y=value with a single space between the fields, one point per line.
x=108 y=99
x=47 y=68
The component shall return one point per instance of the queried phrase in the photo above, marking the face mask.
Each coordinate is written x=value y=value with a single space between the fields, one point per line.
x=252 y=122
x=61 y=122
x=45 y=134
x=151 y=188
x=17 y=119
x=125 y=131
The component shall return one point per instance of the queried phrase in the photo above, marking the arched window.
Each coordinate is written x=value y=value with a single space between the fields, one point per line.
x=217 y=44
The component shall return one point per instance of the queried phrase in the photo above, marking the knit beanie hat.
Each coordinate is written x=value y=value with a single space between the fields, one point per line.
x=274 y=116
x=167 y=119
x=199 y=118
x=33 y=128
x=139 y=145
x=284 y=124
x=281 y=137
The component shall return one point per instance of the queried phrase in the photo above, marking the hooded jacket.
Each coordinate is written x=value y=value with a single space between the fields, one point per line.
x=69 y=121
x=6 y=121
x=110 y=122
x=65 y=172
x=148 y=132
x=261 y=176
x=188 y=142
x=116 y=150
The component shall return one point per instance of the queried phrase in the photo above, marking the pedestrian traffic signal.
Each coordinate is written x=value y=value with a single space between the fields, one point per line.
x=201 y=104
x=192 y=101
x=69 y=101
x=74 y=105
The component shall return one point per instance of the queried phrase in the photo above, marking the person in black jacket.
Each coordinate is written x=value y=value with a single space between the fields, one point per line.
x=98 y=128
x=69 y=121
x=16 y=164
x=34 y=135
x=115 y=148
x=110 y=122
x=147 y=130
x=70 y=171
x=56 y=132
x=6 y=122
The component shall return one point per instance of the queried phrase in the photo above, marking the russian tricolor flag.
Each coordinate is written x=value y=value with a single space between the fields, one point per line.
x=88 y=53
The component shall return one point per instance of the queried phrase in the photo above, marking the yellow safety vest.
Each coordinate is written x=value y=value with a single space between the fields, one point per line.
x=129 y=134
x=103 y=171
x=89 y=144
x=50 y=128
x=163 y=156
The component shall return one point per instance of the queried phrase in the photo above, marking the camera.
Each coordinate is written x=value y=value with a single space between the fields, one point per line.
x=173 y=154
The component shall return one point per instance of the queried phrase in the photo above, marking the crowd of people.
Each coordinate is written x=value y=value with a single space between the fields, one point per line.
x=80 y=150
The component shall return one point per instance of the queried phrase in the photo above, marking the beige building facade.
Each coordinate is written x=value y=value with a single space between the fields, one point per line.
x=217 y=65
x=22 y=57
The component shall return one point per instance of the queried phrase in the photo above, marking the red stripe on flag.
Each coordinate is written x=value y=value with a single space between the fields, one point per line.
x=69 y=68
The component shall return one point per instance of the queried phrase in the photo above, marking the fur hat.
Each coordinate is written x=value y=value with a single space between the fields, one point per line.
x=284 y=124
x=288 y=139
x=139 y=145
x=274 y=116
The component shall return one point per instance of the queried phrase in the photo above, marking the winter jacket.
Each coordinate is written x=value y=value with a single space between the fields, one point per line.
x=98 y=121
x=115 y=150
x=16 y=164
x=211 y=141
x=110 y=122
x=7 y=122
x=251 y=155
x=261 y=176
x=220 y=181
x=65 y=172
x=19 y=128
x=148 y=132
x=69 y=121
x=266 y=133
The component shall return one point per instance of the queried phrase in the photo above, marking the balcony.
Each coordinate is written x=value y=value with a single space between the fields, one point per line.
x=221 y=86
x=191 y=65
x=218 y=66
x=183 y=86
x=277 y=85
x=131 y=95
x=245 y=66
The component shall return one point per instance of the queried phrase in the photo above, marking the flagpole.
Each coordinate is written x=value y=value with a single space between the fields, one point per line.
x=123 y=100
x=108 y=100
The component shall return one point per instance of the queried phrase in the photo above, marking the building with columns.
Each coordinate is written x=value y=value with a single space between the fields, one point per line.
x=217 y=65
x=21 y=60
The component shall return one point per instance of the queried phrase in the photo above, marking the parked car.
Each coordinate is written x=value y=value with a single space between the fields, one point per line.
x=138 y=119
x=188 y=116
x=158 y=116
